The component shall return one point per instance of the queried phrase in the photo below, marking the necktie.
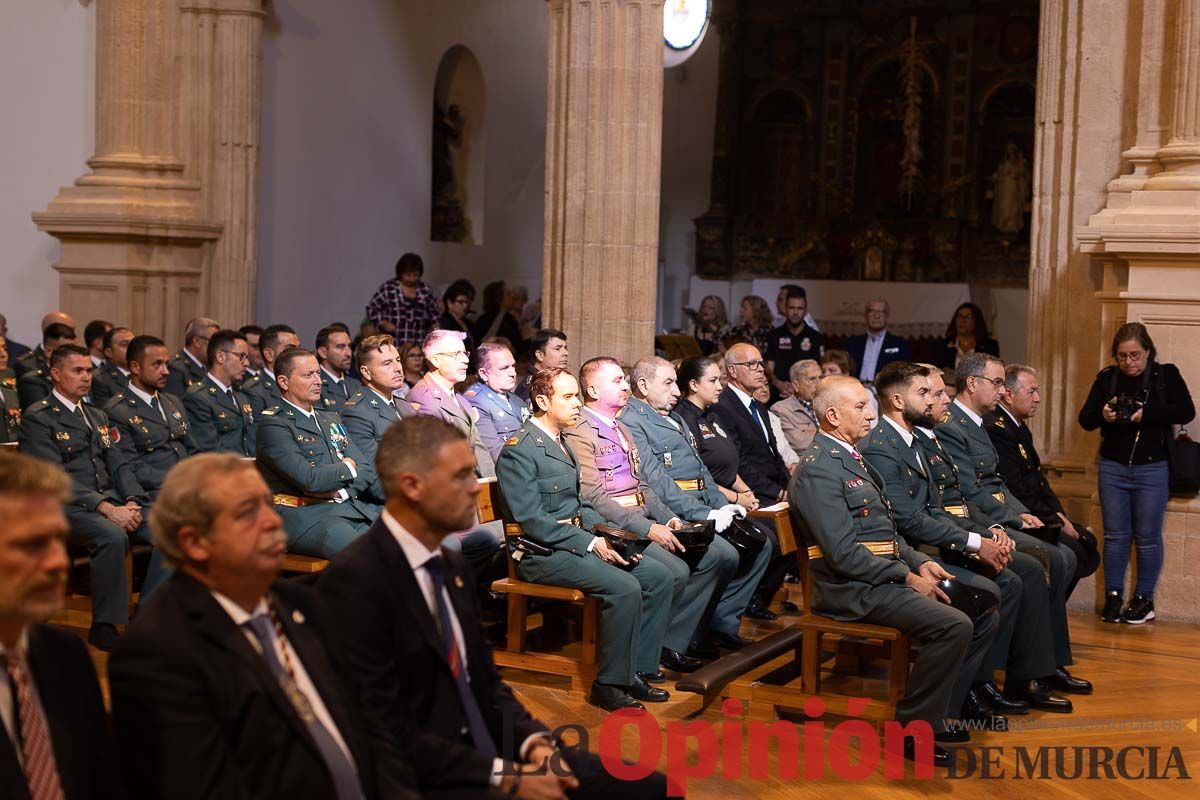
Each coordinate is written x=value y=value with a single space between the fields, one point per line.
x=757 y=417
x=154 y=405
x=341 y=769
x=342 y=388
x=475 y=724
x=82 y=417
x=41 y=770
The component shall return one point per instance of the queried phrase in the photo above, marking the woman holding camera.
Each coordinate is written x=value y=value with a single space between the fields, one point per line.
x=1134 y=403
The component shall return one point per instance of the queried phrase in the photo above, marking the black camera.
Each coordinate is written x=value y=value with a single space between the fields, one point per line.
x=1125 y=406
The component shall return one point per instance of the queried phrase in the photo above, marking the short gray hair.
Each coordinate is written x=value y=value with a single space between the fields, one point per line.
x=198 y=327
x=485 y=350
x=436 y=337
x=799 y=366
x=973 y=365
x=1013 y=372
x=185 y=500
x=647 y=369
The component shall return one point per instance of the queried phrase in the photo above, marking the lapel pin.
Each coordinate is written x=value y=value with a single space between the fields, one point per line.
x=458 y=582
x=297 y=617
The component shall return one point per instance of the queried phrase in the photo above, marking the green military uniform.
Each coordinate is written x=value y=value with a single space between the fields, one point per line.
x=1023 y=645
x=316 y=493
x=107 y=381
x=967 y=444
x=184 y=373
x=222 y=420
x=152 y=438
x=335 y=394
x=539 y=483
x=263 y=392
x=35 y=359
x=673 y=469
x=859 y=566
x=10 y=407
x=33 y=385
x=367 y=416
x=84 y=444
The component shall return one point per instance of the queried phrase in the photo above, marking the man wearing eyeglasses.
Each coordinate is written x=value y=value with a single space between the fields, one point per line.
x=979 y=382
x=435 y=396
x=878 y=347
x=221 y=415
x=187 y=368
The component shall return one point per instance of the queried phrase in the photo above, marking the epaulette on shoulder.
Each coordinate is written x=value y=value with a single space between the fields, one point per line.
x=998 y=422
x=39 y=405
x=270 y=412
x=516 y=437
x=473 y=390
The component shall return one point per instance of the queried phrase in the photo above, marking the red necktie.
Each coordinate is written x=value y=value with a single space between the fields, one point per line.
x=41 y=771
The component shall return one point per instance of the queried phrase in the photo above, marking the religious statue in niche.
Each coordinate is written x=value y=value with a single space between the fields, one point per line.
x=448 y=222
x=1010 y=191
x=874 y=248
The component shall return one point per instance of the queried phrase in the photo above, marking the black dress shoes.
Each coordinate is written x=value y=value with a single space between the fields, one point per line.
x=653 y=677
x=941 y=756
x=1066 y=682
x=977 y=711
x=734 y=642
x=953 y=735
x=103 y=636
x=611 y=698
x=789 y=607
x=706 y=651
x=644 y=691
x=999 y=702
x=757 y=610
x=678 y=662
x=1038 y=694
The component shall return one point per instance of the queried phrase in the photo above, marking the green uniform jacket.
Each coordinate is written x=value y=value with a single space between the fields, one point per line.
x=540 y=485
x=107 y=381
x=669 y=454
x=50 y=432
x=367 y=416
x=948 y=490
x=840 y=505
x=220 y=423
x=972 y=451
x=149 y=444
x=300 y=457
x=184 y=374
x=263 y=393
x=332 y=398
x=34 y=385
x=908 y=485
x=10 y=414
x=35 y=359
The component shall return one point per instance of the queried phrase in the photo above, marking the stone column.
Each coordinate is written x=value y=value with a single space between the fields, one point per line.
x=133 y=230
x=603 y=155
x=1181 y=155
x=222 y=97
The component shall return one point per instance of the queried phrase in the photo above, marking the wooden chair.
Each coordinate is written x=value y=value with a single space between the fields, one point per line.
x=516 y=653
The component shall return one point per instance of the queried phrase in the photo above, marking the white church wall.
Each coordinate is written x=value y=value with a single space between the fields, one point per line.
x=347 y=137
x=47 y=80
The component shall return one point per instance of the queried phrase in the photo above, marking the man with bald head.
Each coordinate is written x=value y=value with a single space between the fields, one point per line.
x=187 y=368
x=863 y=571
x=39 y=357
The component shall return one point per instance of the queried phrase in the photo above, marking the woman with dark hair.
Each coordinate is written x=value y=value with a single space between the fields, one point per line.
x=1134 y=403
x=967 y=333
x=711 y=324
x=756 y=323
x=412 y=358
x=837 y=362
x=457 y=300
x=497 y=318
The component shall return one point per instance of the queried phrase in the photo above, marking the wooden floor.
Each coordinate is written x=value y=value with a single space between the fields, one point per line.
x=1145 y=676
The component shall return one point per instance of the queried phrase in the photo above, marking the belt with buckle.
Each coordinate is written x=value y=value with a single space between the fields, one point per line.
x=631 y=500
x=693 y=485
x=882 y=549
x=999 y=497
x=513 y=529
x=958 y=511
x=295 y=501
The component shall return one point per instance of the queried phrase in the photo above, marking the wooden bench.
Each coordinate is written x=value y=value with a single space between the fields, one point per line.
x=516 y=653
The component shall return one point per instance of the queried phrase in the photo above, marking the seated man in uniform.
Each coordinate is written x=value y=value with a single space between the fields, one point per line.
x=314 y=469
x=979 y=380
x=187 y=367
x=113 y=374
x=34 y=381
x=39 y=357
x=671 y=466
x=548 y=348
x=501 y=412
x=375 y=407
x=1021 y=467
x=219 y=412
x=254 y=356
x=795 y=412
x=611 y=470
x=335 y=356
x=262 y=389
x=864 y=572
x=462 y=725
x=1023 y=646
x=229 y=685
x=104 y=510
x=541 y=499
x=153 y=433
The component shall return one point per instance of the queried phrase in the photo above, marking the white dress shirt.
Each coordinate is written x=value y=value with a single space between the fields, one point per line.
x=746 y=400
x=71 y=406
x=978 y=420
x=973 y=539
x=148 y=399
x=194 y=360
x=871 y=351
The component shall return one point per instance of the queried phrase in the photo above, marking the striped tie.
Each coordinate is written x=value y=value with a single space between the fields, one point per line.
x=41 y=771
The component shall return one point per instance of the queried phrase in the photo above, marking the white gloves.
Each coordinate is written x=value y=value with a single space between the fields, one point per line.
x=739 y=511
x=723 y=517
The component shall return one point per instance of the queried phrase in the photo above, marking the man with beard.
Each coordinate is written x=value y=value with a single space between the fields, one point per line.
x=219 y=413
x=375 y=407
x=111 y=376
x=333 y=352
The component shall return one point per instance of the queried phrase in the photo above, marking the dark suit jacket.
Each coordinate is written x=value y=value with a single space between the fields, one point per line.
x=895 y=348
x=1020 y=466
x=759 y=462
x=83 y=747
x=400 y=665
x=946 y=351
x=198 y=713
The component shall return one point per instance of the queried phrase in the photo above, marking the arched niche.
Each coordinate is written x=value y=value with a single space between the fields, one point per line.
x=776 y=185
x=459 y=149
